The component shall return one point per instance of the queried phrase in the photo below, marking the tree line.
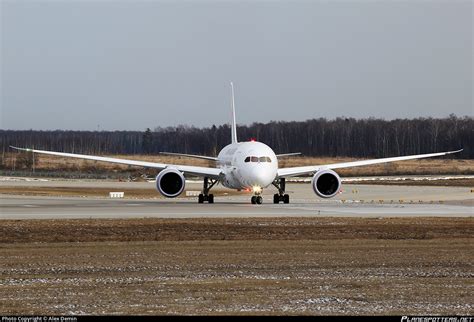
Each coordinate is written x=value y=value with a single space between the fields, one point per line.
x=340 y=137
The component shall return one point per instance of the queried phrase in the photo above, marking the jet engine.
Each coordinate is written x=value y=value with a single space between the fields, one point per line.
x=170 y=183
x=326 y=183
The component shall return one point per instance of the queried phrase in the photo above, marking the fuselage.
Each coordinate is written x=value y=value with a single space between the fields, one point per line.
x=247 y=165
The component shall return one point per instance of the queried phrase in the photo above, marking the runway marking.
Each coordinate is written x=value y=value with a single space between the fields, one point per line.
x=134 y=204
x=31 y=206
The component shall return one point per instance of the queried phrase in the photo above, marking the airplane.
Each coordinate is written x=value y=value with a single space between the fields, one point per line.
x=251 y=166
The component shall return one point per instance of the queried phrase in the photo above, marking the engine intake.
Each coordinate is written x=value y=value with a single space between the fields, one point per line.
x=170 y=183
x=326 y=183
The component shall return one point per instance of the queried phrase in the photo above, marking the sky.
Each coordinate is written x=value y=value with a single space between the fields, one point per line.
x=129 y=65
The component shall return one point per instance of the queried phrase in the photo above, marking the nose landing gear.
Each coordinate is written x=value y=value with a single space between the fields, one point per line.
x=256 y=200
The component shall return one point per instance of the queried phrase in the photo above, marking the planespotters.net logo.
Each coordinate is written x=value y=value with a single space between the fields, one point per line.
x=437 y=319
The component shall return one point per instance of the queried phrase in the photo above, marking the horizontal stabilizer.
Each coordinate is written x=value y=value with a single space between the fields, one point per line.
x=284 y=155
x=189 y=156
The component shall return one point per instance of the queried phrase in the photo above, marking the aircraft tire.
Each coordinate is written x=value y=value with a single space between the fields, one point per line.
x=276 y=198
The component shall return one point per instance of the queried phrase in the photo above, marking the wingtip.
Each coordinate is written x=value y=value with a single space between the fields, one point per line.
x=456 y=151
x=21 y=149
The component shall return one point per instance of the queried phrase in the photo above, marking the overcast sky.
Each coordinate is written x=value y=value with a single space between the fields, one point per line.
x=128 y=65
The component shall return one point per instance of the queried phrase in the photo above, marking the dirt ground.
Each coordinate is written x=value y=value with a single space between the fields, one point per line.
x=304 y=266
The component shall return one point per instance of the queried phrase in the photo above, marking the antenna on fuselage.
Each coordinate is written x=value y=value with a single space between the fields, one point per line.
x=234 y=124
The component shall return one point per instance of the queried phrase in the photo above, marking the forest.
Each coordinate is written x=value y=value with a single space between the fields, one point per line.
x=340 y=137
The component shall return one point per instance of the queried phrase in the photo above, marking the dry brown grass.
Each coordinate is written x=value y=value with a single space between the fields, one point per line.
x=402 y=266
x=156 y=229
x=61 y=191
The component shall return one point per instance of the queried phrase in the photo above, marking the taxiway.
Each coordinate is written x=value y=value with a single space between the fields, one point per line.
x=354 y=201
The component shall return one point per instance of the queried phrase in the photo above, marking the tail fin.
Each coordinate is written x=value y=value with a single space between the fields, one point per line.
x=234 y=124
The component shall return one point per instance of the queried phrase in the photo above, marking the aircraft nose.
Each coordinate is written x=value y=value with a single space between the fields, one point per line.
x=262 y=177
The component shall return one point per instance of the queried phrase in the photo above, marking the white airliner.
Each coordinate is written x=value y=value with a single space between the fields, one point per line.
x=249 y=166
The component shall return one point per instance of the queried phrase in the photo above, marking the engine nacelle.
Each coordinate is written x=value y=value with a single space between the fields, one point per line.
x=326 y=183
x=170 y=183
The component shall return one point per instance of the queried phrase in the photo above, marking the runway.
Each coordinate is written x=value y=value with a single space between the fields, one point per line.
x=355 y=201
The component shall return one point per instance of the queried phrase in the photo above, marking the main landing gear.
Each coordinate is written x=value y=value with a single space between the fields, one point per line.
x=281 y=196
x=205 y=196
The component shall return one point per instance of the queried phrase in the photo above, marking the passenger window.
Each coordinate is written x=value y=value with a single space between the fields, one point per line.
x=268 y=159
x=254 y=159
x=263 y=159
x=247 y=159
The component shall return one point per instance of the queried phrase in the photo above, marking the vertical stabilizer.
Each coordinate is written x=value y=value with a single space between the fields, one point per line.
x=234 y=124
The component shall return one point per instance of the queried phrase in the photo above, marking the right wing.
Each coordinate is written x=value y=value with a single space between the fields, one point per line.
x=298 y=171
x=198 y=171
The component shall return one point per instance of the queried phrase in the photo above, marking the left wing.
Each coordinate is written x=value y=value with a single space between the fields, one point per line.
x=198 y=171
x=297 y=171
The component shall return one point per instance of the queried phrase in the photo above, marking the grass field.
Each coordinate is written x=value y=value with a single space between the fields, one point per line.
x=134 y=193
x=402 y=266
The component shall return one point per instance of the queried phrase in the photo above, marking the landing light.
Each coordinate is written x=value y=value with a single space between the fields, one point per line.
x=257 y=189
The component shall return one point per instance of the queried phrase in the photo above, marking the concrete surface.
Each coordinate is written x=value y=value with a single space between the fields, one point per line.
x=355 y=201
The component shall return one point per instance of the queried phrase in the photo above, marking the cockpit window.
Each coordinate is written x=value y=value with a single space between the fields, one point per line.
x=258 y=159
